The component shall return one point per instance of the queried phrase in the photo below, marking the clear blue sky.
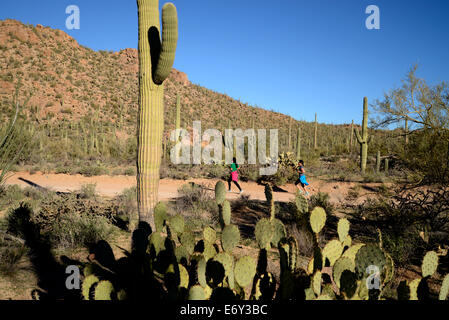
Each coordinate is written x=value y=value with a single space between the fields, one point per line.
x=293 y=56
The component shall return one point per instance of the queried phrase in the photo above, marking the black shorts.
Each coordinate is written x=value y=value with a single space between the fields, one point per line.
x=299 y=182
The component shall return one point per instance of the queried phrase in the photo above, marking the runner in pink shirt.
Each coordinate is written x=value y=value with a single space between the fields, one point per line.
x=234 y=177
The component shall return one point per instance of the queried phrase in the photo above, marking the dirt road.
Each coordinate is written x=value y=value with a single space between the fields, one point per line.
x=110 y=186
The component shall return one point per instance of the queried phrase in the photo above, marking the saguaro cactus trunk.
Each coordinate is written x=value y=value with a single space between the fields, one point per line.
x=351 y=141
x=298 y=144
x=155 y=62
x=290 y=134
x=363 y=138
x=378 y=162
x=315 y=145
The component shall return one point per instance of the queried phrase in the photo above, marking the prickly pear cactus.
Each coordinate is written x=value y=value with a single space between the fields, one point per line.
x=197 y=293
x=245 y=270
x=220 y=192
x=264 y=233
x=209 y=234
x=444 y=291
x=343 y=229
x=369 y=255
x=332 y=251
x=301 y=204
x=160 y=216
x=317 y=219
x=230 y=237
x=225 y=214
x=429 y=264
x=177 y=223
x=88 y=282
x=104 y=290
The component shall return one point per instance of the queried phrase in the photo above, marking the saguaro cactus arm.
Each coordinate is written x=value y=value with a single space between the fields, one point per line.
x=358 y=136
x=169 y=43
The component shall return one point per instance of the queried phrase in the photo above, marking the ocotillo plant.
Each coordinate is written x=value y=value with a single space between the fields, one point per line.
x=298 y=144
x=315 y=146
x=363 y=138
x=155 y=63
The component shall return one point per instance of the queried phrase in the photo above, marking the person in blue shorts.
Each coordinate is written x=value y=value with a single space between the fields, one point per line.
x=302 y=178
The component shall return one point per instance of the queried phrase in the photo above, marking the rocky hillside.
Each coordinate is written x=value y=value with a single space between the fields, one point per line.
x=72 y=84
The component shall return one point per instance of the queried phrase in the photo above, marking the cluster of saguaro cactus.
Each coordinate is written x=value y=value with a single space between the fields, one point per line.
x=156 y=59
x=363 y=138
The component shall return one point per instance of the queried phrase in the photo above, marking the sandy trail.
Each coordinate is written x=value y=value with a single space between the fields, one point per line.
x=110 y=186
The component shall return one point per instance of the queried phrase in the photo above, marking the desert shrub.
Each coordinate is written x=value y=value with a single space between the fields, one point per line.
x=15 y=219
x=125 y=205
x=11 y=255
x=411 y=221
x=214 y=171
x=64 y=169
x=94 y=170
x=371 y=177
x=11 y=194
x=88 y=191
x=249 y=173
x=283 y=175
x=72 y=230
x=321 y=199
x=195 y=199
x=54 y=206
x=130 y=171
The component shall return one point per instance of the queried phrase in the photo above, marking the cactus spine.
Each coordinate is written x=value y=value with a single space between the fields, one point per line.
x=155 y=63
x=363 y=138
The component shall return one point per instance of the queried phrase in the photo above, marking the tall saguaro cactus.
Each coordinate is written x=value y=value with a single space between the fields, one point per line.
x=315 y=145
x=351 y=137
x=290 y=134
x=298 y=144
x=363 y=138
x=155 y=62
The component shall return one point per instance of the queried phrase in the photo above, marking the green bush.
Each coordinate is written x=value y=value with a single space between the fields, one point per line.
x=88 y=191
x=321 y=199
x=90 y=171
x=11 y=255
x=74 y=230
x=195 y=199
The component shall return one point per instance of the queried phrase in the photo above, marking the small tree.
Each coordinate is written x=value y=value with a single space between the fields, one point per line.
x=426 y=110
